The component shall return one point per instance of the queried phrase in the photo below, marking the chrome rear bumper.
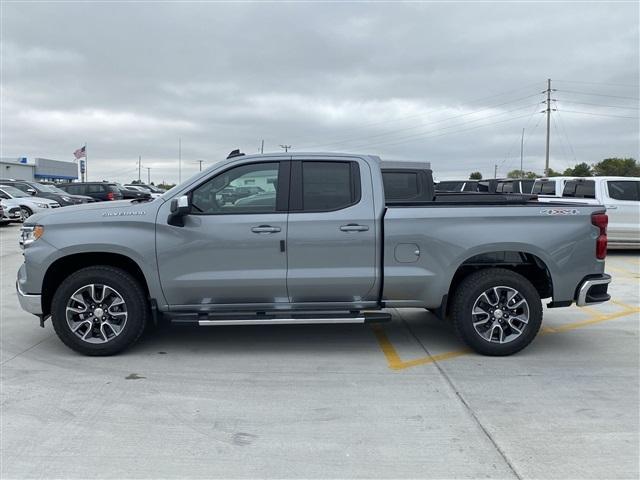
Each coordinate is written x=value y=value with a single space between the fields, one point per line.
x=593 y=290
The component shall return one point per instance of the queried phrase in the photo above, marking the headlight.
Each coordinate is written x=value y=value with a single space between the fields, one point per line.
x=42 y=205
x=30 y=234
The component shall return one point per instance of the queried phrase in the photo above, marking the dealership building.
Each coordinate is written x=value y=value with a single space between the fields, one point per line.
x=38 y=169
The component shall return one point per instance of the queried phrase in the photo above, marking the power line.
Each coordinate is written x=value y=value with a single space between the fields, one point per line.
x=598 y=94
x=566 y=135
x=393 y=132
x=600 y=114
x=535 y=110
x=598 y=105
x=562 y=142
x=421 y=137
x=599 y=83
x=417 y=115
x=429 y=132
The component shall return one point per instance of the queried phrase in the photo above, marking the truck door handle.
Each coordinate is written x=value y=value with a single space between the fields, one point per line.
x=611 y=207
x=265 y=229
x=353 y=227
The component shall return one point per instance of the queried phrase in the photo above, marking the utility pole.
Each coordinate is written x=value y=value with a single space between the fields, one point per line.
x=200 y=162
x=262 y=147
x=546 y=162
x=148 y=175
x=522 y=154
x=495 y=171
x=179 y=160
x=139 y=167
x=286 y=147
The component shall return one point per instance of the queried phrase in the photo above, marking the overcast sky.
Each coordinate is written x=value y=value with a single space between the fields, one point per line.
x=453 y=84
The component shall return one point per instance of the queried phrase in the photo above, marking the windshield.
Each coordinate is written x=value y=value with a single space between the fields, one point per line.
x=48 y=188
x=13 y=191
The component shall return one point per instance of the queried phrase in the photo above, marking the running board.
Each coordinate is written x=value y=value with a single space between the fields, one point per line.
x=280 y=321
x=270 y=319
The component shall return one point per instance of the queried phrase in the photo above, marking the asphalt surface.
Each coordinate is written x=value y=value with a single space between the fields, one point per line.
x=328 y=401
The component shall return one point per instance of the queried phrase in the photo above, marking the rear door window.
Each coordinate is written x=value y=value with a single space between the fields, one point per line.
x=544 y=188
x=580 y=189
x=526 y=186
x=73 y=189
x=328 y=186
x=628 y=190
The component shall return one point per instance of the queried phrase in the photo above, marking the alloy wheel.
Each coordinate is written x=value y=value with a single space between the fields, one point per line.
x=96 y=313
x=500 y=314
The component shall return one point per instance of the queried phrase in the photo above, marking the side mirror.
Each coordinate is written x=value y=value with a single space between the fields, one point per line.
x=179 y=208
x=31 y=191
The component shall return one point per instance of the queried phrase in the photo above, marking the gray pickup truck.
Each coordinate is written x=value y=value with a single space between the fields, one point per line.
x=318 y=243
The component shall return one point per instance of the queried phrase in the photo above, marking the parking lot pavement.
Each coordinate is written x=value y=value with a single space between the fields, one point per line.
x=399 y=400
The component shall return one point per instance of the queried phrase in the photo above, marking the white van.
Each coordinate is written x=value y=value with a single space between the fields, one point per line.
x=620 y=195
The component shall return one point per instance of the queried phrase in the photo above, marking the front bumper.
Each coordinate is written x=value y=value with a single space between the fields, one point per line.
x=593 y=289
x=28 y=302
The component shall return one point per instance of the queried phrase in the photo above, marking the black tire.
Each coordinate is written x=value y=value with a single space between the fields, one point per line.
x=472 y=288
x=25 y=212
x=129 y=289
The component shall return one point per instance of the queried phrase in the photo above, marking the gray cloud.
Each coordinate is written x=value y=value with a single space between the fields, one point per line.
x=450 y=83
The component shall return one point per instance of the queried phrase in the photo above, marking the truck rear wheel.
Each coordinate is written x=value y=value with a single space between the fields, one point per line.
x=496 y=311
x=99 y=310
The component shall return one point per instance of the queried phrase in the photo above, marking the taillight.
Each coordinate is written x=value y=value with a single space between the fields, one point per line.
x=601 y=220
x=110 y=196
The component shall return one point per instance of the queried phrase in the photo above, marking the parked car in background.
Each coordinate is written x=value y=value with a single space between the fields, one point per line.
x=457 y=186
x=549 y=187
x=151 y=188
x=99 y=191
x=519 y=185
x=51 y=192
x=133 y=193
x=9 y=214
x=620 y=196
x=28 y=204
x=144 y=189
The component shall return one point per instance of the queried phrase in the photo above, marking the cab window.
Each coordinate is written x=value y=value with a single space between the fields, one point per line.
x=628 y=190
x=250 y=188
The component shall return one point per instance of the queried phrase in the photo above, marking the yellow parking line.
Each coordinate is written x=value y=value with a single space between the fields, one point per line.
x=396 y=363
x=591 y=310
x=599 y=319
x=622 y=271
x=623 y=305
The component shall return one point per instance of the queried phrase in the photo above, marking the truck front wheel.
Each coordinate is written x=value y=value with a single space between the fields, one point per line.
x=99 y=310
x=496 y=311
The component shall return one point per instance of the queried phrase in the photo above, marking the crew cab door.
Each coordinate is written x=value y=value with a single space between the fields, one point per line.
x=331 y=237
x=623 y=208
x=228 y=250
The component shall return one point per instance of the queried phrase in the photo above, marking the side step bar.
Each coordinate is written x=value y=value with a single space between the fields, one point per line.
x=270 y=319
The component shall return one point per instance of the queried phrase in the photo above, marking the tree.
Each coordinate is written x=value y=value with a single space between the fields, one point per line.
x=619 y=167
x=475 y=176
x=518 y=174
x=580 y=170
x=553 y=173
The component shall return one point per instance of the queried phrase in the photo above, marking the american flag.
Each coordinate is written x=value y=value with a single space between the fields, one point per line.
x=79 y=153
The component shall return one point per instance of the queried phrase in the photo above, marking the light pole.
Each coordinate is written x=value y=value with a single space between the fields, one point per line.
x=521 y=154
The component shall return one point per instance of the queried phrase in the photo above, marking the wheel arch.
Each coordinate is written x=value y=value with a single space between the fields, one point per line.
x=65 y=266
x=527 y=264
